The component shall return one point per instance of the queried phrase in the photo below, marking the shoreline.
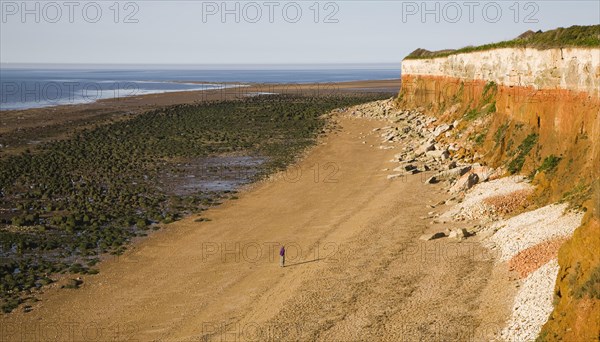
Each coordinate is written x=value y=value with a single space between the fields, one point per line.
x=21 y=129
x=392 y=85
x=138 y=93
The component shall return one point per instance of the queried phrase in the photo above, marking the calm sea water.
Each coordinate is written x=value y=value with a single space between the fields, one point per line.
x=32 y=88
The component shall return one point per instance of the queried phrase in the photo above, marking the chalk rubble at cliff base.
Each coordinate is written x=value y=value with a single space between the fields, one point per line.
x=480 y=193
x=474 y=206
x=532 y=304
x=531 y=228
x=419 y=152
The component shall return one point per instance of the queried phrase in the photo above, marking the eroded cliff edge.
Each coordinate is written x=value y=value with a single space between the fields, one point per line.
x=534 y=112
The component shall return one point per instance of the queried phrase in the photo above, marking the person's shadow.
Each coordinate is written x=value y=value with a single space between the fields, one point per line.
x=302 y=262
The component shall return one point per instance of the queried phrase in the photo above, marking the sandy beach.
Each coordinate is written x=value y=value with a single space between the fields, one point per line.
x=356 y=268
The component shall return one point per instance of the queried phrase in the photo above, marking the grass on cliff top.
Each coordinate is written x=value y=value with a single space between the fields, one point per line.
x=574 y=36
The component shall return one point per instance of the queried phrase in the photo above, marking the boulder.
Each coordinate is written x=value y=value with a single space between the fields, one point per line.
x=450 y=201
x=399 y=157
x=389 y=136
x=410 y=157
x=472 y=179
x=434 y=154
x=453 y=173
x=438 y=154
x=441 y=129
x=459 y=234
x=484 y=172
x=431 y=180
x=432 y=236
x=71 y=283
x=428 y=146
x=465 y=182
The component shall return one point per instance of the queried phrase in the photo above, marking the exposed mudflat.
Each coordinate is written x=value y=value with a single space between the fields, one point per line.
x=210 y=174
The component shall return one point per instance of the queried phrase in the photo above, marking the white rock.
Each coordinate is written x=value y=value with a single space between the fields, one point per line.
x=473 y=207
x=453 y=173
x=424 y=148
x=441 y=129
x=459 y=234
x=533 y=227
x=465 y=182
x=532 y=305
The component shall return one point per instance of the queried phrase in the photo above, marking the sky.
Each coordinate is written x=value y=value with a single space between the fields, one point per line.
x=265 y=32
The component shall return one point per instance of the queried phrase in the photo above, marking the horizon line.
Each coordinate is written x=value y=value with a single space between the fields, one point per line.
x=17 y=65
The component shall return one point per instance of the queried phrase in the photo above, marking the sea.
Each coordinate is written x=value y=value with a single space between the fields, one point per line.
x=27 y=87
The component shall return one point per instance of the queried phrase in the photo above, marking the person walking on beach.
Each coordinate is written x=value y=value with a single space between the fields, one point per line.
x=282 y=257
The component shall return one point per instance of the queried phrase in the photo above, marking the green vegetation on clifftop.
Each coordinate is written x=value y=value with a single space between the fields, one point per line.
x=574 y=36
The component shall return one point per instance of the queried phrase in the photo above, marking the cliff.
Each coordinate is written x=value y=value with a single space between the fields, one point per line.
x=576 y=69
x=535 y=112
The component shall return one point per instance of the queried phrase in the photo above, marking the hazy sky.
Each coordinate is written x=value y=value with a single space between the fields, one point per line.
x=195 y=32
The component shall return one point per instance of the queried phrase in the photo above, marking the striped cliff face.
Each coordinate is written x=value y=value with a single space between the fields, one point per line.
x=549 y=100
x=507 y=94
x=576 y=69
